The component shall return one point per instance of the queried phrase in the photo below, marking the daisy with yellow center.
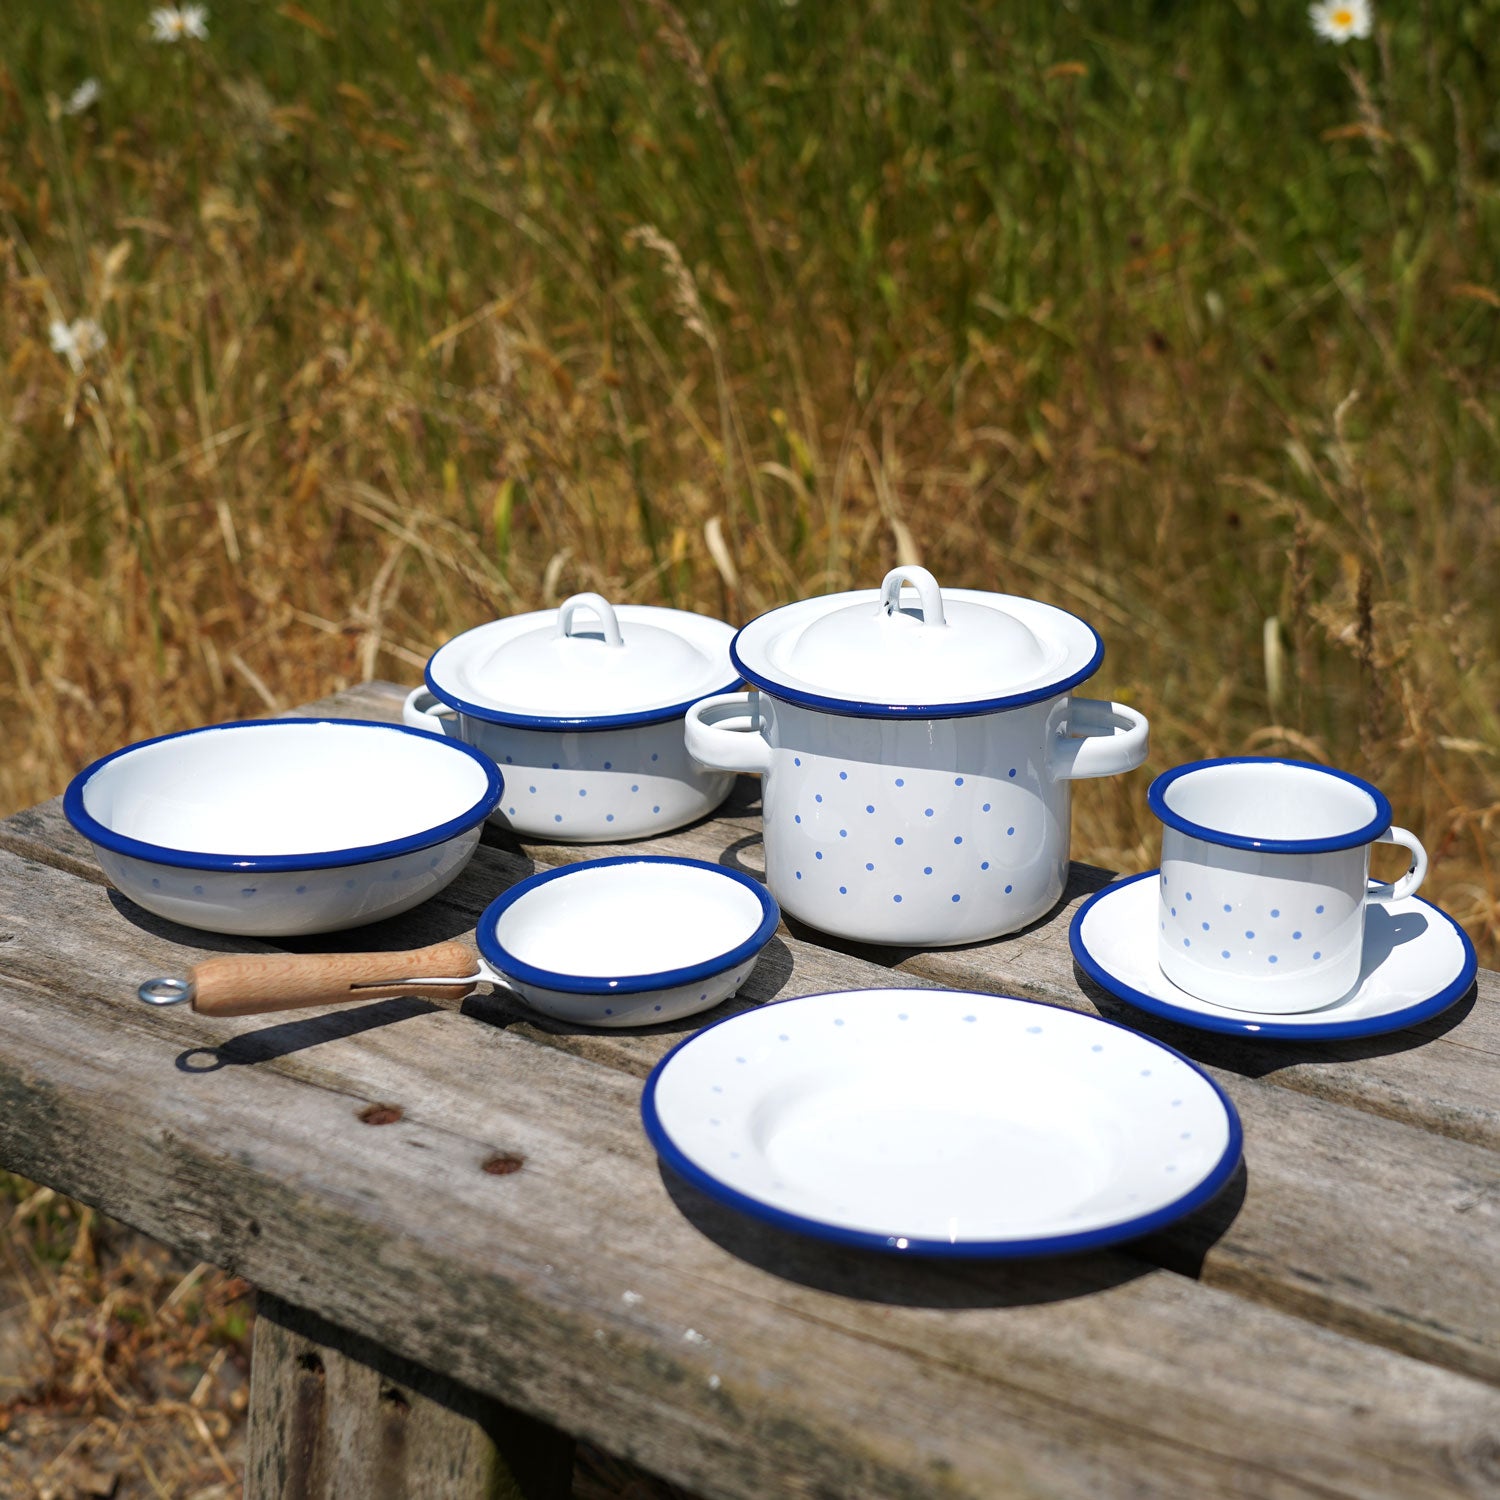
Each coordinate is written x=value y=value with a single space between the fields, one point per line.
x=1338 y=20
x=173 y=23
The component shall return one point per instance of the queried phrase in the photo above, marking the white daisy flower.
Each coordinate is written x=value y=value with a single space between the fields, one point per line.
x=77 y=341
x=83 y=97
x=176 y=23
x=1338 y=20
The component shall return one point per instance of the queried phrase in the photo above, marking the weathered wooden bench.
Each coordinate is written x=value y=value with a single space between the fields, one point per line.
x=467 y=1253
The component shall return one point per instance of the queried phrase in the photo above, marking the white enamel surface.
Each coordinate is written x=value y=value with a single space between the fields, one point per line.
x=1410 y=953
x=940 y=1115
x=578 y=787
x=849 y=646
x=620 y=919
x=648 y=1008
x=1270 y=800
x=523 y=665
x=258 y=789
x=874 y=826
x=289 y=903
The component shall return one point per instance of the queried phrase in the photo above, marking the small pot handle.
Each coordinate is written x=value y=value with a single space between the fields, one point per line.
x=423 y=709
x=718 y=747
x=925 y=585
x=1103 y=739
x=1407 y=885
x=600 y=606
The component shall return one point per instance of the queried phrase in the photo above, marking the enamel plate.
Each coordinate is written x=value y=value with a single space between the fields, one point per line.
x=939 y=1122
x=1417 y=961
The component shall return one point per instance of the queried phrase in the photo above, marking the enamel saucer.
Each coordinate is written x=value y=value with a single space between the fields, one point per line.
x=1417 y=962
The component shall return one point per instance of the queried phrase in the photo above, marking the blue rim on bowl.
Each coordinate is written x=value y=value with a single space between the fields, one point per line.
x=506 y=963
x=96 y=832
x=1156 y=797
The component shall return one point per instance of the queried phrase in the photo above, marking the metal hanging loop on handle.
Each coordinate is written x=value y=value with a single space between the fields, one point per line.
x=165 y=991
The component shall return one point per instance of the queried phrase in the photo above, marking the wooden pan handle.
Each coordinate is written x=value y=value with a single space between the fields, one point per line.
x=253 y=984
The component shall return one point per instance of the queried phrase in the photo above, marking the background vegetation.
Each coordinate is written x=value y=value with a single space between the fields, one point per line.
x=414 y=315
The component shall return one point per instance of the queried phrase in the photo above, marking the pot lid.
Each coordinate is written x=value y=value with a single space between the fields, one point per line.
x=879 y=653
x=586 y=664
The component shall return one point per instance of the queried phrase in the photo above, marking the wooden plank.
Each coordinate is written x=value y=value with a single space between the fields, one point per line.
x=332 y=1414
x=249 y=1145
x=805 y=1366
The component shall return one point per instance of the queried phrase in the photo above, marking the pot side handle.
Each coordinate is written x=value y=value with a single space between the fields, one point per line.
x=723 y=734
x=423 y=709
x=1103 y=739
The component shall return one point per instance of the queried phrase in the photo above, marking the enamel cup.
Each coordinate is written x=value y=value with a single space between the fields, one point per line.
x=1265 y=882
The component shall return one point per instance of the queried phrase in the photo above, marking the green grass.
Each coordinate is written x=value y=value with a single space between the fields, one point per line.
x=1173 y=315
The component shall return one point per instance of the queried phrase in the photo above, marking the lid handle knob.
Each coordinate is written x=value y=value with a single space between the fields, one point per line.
x=600 y=606
x=925 y=585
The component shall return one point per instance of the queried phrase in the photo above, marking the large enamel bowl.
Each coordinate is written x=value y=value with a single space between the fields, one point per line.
x=629 y=941
x=286 y=826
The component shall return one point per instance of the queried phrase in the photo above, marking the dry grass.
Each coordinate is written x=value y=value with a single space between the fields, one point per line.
x=414 y=318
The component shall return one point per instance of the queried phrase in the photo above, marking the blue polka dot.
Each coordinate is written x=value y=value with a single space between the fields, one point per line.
x=799 y=874
x=1249 y=934
x=895 y=898
x=655 y=757
x=817 y=854
x=1189 y=895
x=581 y=792
x=1187 y=942
x=1317 y=955
x=557 y=817
x=1010 y=832
x=635 y=788
x=555 y=765
x=843 y=890
x=984 y=864
x=870 y=807
x=1012 y=772
x=512 y=812
x=609 y=817
x=656 y=808
x=1174 y=911
x=985 y=808
x=609 y=766
x=531 y=789
x=1227 y=907
x=1296 y=937
x=1034 y=1030
x=796 y=760
x=929 y=812
x=958 y=838
x=1009 y=889
x=1224 y=954
x=927 y=870
x=1097 y=1047
x=198 y=890
x=1275 y=911
x=843 y=776
x=843 y=833
x=900 y=782
x=899 y=839
x=817 y=796
x=1272 y=959
x=869 y=867
x=796 y=817
x=956 y=898
x=1319 y=910
x=508 y=761
x=1205 y=926
x=958 y=781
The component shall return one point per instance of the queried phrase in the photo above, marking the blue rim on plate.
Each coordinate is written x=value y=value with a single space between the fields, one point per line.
x=507 y=964
x=1156 y=797
x=1264 y=1027
x=858 y=709
x=1056 y=1244
x=577 y=724
x=187 y=859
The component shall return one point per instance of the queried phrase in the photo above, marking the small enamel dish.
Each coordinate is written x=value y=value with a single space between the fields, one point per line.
x=629 y=941
x=284 y=827
x=940 y=1122
x=1415 y=962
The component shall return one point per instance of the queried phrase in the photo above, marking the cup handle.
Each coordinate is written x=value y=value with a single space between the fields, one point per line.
x=1407 y=885
x=714 y=744
x=1103 y=739
x=423 y=709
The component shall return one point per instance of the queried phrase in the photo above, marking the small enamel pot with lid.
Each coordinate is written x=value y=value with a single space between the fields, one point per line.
x=917 y=752
x=582 y=708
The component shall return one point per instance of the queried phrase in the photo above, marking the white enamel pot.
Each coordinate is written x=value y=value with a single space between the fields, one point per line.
x=933 y=808
x=582 y=708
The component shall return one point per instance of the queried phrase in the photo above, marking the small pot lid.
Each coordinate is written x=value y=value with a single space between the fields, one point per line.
x=586 y=664
x=946 y=653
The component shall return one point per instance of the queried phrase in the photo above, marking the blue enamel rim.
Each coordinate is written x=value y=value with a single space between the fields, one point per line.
x=857 y=709
x=1308 y=1030
x=578 y=724
x=1156 y=796
x=506 y=963
x=837 y=1234
x=95 y=831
